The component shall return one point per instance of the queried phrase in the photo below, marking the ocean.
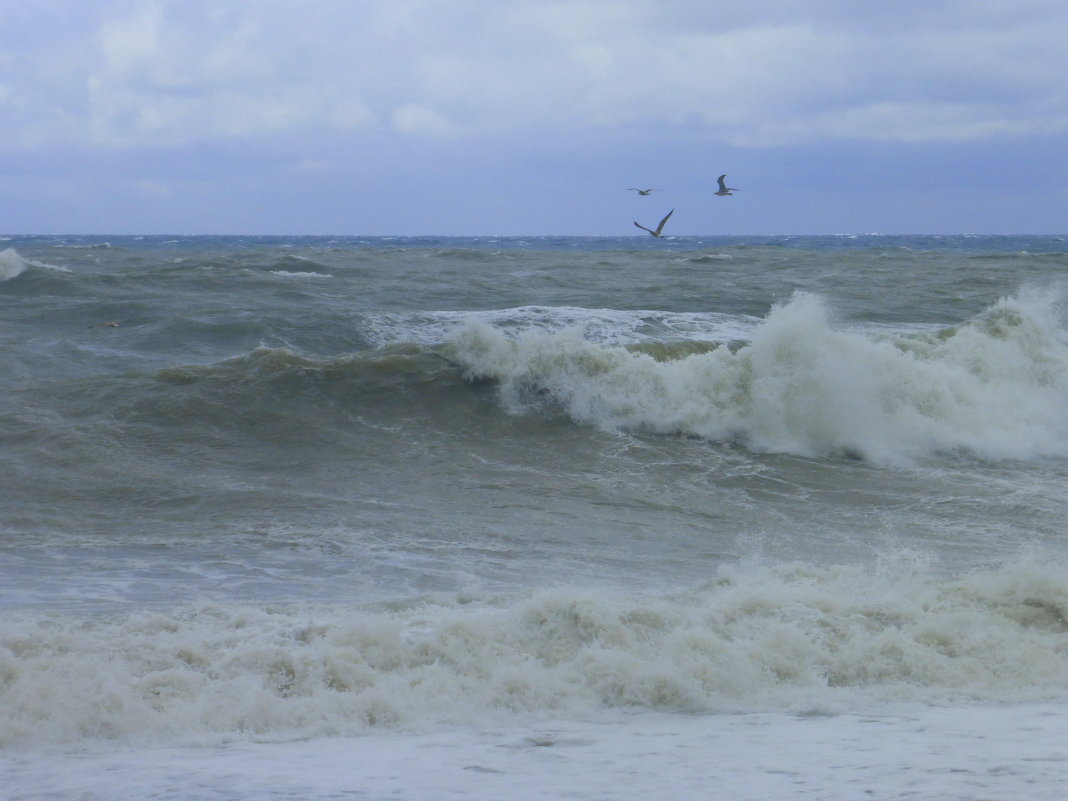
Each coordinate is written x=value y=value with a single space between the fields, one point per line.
x=760 y=517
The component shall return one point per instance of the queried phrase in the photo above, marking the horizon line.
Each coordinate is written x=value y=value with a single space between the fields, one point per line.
x=9 y=235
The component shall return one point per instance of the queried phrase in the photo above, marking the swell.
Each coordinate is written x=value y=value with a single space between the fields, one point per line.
x=994 y=387
x=266 y=412
x=280 y=394
x=282 y=388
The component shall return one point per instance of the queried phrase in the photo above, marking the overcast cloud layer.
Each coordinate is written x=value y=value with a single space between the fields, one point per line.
x=532 y=117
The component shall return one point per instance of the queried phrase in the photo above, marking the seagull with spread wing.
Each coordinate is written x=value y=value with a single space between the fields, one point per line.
x=723 y=188
x=659 y=228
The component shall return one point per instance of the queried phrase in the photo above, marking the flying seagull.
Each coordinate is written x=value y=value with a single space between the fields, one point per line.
x=659 y=228
x=642 y=192
x=723 y=188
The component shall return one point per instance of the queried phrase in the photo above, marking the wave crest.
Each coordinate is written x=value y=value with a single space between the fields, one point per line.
x=995 y=387
x=14 y=264
x=11 y=264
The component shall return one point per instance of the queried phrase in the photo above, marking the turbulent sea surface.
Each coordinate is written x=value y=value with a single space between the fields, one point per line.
x=480 y=518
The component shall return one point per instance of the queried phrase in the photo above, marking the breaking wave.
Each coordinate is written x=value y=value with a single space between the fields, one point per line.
x=789 y=637
x=12 y=264
x=995 y=387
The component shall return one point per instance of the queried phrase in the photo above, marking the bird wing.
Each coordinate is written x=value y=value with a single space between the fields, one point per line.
x=660 y=227
x=722 y=182
x=643 y=227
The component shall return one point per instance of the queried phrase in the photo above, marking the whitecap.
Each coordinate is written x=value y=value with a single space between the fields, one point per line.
x=995 y=387
x=11 y=264
x=609 y=327
x=288 y=274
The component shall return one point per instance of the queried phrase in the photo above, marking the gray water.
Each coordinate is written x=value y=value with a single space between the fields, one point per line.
x=255 y=418
x=270 y=489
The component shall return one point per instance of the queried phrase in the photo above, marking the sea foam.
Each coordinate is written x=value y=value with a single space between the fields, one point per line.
x=610 y=327
x=788 y=637
x=995 y=387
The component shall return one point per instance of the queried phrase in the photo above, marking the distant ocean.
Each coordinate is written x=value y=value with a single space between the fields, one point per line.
x=736 y=518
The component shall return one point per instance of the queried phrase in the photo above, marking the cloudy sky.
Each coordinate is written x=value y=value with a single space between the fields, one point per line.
x=514 y=117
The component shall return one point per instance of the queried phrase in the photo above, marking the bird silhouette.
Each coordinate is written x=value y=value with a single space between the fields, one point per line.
x=723 y=188
x=642 y=192
x=659 y=228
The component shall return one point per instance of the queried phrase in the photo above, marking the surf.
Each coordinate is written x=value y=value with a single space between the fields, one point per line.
x=789 y=637
x=993 y=387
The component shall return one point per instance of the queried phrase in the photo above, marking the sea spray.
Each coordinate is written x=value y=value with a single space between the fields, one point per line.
x=996 y=387
x=11 y=264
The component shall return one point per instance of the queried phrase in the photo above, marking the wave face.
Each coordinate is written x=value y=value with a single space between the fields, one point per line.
x=789 y=637
x=995 y=387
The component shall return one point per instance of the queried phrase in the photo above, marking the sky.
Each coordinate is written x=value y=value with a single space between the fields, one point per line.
x=533 y=117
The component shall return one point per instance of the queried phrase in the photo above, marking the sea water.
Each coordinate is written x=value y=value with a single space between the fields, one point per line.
x=484 y=518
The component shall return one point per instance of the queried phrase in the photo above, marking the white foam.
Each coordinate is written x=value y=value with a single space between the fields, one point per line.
x=608 y=327
x=11 y=264
x=288 y=274
x=996 y=387
x=786 y=638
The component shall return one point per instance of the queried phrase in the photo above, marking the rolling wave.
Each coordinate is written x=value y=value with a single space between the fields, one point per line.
x=995 y=387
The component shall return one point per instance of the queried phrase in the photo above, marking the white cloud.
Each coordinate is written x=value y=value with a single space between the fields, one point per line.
x=921 y=121
x=154 y=190
x=765 y=72
x=350 y=114
x=417 y=120
x=132 y=42
x=756 y=83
